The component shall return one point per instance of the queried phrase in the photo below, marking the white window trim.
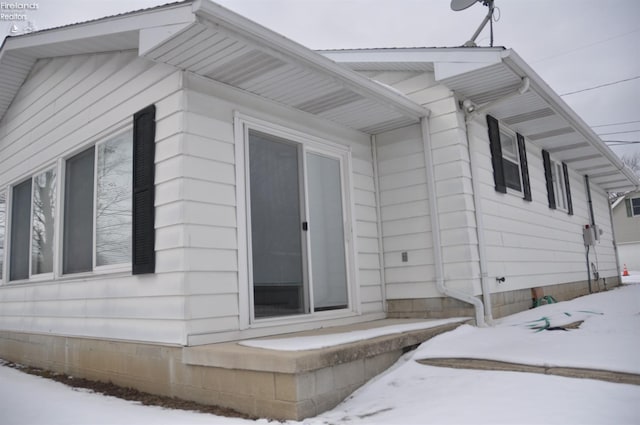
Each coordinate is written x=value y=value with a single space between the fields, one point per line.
x=242 y=124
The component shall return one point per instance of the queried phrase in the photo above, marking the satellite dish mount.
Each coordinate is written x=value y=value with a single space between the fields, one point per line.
x=458 y=5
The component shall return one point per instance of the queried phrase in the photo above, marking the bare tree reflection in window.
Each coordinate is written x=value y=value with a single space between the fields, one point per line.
x=44 y=199
x=113 y=201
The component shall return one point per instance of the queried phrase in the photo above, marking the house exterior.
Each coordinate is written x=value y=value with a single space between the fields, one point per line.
x=626 y=224
x=181 y=177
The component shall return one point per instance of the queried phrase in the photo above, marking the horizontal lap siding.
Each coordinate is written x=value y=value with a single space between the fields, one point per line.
x=529 y=243
x=209 y=204
x=66 y=105
x=405 y=207
x=406 y=226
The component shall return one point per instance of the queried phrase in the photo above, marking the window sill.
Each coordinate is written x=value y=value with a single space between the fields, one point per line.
x=50 y=279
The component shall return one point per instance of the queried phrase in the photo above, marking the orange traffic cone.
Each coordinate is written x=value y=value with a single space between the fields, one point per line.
x=625 y=272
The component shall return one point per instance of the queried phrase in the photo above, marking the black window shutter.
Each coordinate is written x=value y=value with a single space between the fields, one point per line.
x=567 y=186
x=627 y=203
x=524 y=168
x=549 y=178
x=143 y=232
x=496 y=154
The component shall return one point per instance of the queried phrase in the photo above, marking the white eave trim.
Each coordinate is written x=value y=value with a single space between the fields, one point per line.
x=279 y=44
x=559 y=106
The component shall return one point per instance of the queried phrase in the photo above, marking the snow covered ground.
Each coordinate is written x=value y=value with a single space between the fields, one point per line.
x=411 y=393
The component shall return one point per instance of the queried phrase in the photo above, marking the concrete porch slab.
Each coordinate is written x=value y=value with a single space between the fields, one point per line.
x=304 y=383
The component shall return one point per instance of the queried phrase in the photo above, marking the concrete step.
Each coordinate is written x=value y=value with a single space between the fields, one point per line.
x=299 y=384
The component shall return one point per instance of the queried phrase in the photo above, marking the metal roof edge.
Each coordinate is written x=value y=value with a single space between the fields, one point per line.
x=271 y=40
x=518 y=65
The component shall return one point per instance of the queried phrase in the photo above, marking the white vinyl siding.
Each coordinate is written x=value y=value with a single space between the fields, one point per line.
x=66 y=105
x=204 y=196
x=528 y=243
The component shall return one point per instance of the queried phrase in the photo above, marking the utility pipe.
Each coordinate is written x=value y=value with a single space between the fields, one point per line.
x=482 y=246
x=435 y=230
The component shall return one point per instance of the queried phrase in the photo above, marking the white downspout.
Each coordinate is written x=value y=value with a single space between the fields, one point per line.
x=435 y=230
x=376 y=185
x=482 y=247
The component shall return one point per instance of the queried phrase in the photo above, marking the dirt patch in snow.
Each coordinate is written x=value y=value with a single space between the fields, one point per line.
x=125 y=393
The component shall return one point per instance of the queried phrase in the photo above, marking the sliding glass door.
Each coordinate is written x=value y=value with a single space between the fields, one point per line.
x=297 y=243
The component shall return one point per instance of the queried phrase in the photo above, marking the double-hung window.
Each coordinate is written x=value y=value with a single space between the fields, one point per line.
x=97 y=206
x=32 y=238
x=509 y=159
x=558 y=185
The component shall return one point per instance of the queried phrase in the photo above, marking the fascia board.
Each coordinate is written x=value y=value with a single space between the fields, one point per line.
x=555 y=102
x=280 y=45
x=419 y=54
x=444 y=70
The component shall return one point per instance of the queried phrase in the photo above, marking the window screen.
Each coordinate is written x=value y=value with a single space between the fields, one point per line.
x=78 y=214
x=20 y=231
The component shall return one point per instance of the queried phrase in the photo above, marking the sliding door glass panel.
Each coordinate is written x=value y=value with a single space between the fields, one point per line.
x=329 y=276
x=3 y=221
x=44 y=202
x=113 y=201
x=276 y=236
x=20 y=231
x=77 y=251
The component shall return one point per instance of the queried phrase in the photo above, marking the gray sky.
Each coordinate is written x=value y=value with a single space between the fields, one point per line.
x=572 y=44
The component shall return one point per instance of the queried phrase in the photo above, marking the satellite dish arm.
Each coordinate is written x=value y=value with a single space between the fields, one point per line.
x=472 y=42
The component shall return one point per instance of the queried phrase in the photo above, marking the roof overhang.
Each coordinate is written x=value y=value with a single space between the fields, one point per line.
x=492 y=80
x=208 y=40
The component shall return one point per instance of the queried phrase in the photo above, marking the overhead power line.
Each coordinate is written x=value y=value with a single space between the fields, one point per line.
x=618 y=132
x=601 y=85
x=566 y=52
x=615 y=123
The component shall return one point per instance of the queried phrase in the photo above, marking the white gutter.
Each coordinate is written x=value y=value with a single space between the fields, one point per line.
x=435 y=230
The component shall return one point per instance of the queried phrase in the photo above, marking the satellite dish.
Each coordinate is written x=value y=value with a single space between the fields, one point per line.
x=458 y=5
